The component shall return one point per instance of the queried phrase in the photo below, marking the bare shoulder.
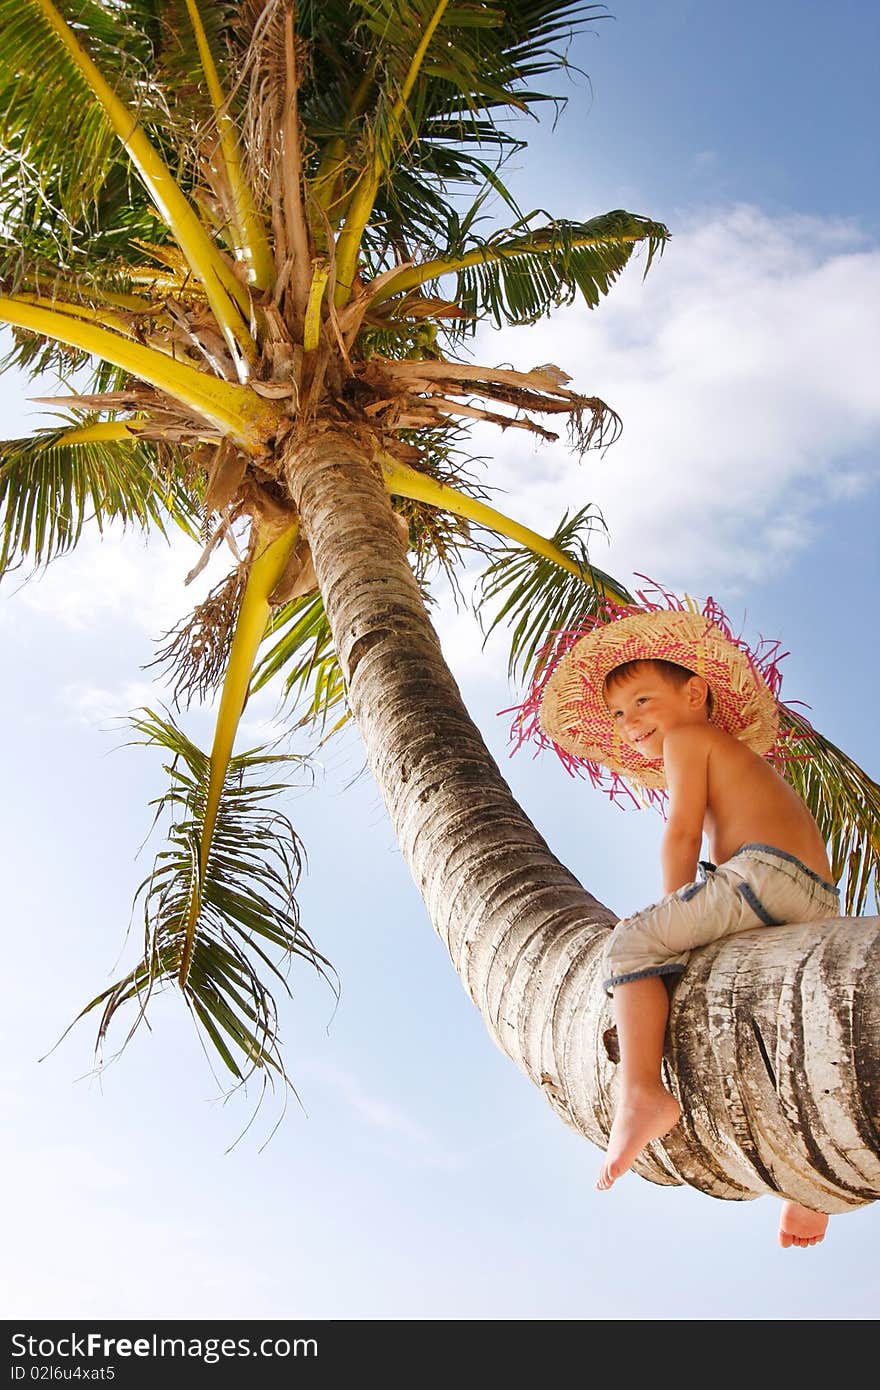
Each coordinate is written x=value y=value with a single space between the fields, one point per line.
x=690 y=740
x=725 y=747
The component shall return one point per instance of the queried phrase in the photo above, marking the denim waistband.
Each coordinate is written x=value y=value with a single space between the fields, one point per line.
x=792 y=859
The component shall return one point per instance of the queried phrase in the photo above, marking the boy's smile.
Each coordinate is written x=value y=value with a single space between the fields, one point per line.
x=644 y=707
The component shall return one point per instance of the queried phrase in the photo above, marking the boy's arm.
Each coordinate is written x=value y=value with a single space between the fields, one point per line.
x=686 y=762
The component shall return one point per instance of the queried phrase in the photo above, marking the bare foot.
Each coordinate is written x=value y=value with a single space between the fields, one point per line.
x=800 y=1226
x=641 y=1115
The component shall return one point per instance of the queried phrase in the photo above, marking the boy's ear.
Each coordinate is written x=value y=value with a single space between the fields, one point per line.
x=697 y=692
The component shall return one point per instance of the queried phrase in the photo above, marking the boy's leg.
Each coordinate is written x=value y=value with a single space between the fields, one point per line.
x=658 y=939
x=645 y=1110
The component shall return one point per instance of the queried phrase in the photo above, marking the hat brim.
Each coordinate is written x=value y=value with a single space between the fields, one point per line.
x=574 y=716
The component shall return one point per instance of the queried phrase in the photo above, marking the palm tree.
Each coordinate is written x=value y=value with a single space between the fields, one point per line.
x=264 y=247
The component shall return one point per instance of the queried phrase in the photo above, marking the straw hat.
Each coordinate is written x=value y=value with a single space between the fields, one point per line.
x=572 y=714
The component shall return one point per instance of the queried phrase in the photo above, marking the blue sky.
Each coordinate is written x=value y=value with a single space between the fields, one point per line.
x=423 y=1176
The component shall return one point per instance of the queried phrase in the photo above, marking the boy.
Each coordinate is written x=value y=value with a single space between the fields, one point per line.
x=668 y=699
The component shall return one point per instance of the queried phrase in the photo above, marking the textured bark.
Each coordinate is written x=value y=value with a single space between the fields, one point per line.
x=774 y=1038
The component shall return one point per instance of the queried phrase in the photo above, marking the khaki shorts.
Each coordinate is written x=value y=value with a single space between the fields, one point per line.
x=757 y=886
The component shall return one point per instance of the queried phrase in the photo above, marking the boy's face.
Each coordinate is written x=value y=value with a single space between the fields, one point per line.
x=646 y=704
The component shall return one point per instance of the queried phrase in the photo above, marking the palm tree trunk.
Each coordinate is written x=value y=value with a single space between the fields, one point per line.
x=776 y=1060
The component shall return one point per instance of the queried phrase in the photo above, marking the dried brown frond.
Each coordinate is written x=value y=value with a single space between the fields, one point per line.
x=443 y=407
x=354 y=313
x=423 y=306
x=155 y=416
x=175 y=423
x=225 y=478
x=593 y=425
x=298 y=577
x=264 y=74
x=408 y=394
x=196 y=653
x=138 y=397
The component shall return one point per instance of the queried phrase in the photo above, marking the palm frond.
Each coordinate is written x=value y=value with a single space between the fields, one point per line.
x=548 y=267
x=439 y=97
x=539 y=597
x=50 y=490
x=845 y=802
x=39 y=88
x=177 y=62
x=79 y=371
x=248 y=920
x=481 y=58
x=72 y=58
x=314 y=682
x=517 y=275
x=434 y=222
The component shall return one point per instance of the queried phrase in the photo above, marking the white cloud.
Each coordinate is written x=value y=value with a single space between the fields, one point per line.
x=743 y=369
x=119 y=577
x=93 y=705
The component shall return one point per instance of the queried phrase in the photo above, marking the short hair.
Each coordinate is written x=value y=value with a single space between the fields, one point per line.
x=676 y=674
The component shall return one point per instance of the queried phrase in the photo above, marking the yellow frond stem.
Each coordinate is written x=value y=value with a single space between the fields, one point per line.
x=228 y=299
x=253 y=615
x=133 y=303
x=312 y=320
x=333 y=160
x=253 y=244
x=323 y=185
x=104 y=430
x=348 y=243
x=105 y=319
x=403 y=481
x=416 y=64
x=361 y=206
x=126 y=431
x=236 y=411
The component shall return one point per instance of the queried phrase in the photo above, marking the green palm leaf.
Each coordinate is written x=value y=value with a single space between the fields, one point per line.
x=40 y=87
x=416 y=197
x=50 y=490
x=846 y=804
x=249 y=917
x=314 y=681
x=480 y=59
x=539 y=597
x=475 y=71
x=522 y=277
x=517 y=275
